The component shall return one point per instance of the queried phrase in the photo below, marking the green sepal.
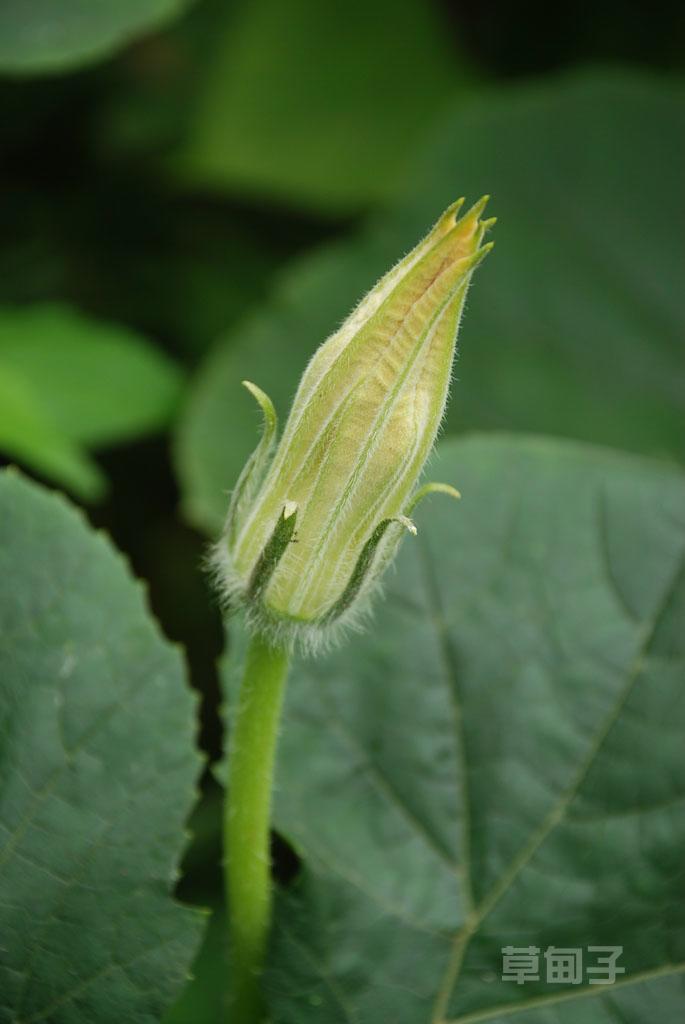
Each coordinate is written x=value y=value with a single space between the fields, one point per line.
x=273 y=551
x=432 y=488
x=255 y=467
x=363 y=568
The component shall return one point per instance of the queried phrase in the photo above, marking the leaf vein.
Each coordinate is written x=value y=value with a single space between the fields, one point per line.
x=665 y=971
x=560 y=809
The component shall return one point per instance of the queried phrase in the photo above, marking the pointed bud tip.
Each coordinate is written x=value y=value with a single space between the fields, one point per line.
x=452 y=210
x=471 y=224
x=477 y=208
x=449 y=218
x=481 y=253
x=289 y=509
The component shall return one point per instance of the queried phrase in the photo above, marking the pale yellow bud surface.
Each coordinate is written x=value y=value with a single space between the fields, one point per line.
x=363 y=422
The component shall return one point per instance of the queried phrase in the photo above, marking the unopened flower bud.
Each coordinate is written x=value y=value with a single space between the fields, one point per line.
x=311 y=527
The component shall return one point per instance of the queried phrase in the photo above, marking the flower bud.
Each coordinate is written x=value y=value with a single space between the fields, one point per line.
x=311 y=527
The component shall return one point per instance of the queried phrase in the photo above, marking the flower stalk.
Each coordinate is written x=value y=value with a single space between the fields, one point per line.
x=247 y=818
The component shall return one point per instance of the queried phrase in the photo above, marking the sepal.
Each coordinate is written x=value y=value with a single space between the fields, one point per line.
x=363 y=572
x=273 y=551
x=256 y=465
x=432 y=488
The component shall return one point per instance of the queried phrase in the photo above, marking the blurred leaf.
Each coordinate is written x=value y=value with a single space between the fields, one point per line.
x=100 y=382
x=576 y=323
x=320 y=104
x=499 y=758
x=46 y=36
x=98 y=776
x=67 y=382
x=30 y=436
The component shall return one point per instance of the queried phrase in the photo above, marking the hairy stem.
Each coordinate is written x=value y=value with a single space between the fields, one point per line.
x=247 y=859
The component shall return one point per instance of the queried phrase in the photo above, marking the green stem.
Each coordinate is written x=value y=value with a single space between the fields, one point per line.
x=247 y=871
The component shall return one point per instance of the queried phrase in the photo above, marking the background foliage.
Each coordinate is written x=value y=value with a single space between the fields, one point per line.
x=194 y=193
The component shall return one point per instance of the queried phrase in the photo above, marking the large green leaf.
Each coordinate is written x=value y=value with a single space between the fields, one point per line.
x=68 y=382
x=575 y=326
x=98 y=772
x=498 y=760
x=318 y=103
x=39 y=36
